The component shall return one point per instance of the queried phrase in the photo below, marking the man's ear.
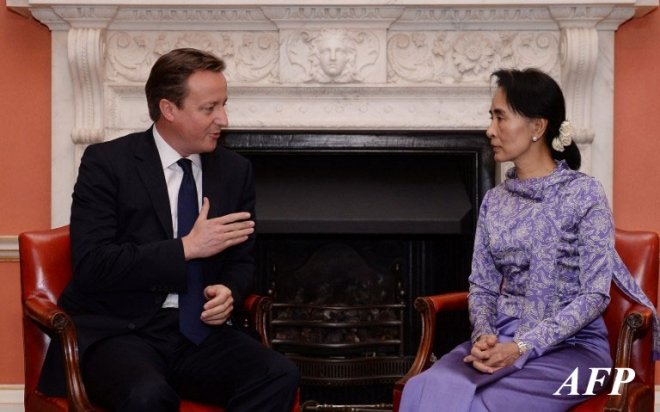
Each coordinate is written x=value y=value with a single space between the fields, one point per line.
x=167 y=109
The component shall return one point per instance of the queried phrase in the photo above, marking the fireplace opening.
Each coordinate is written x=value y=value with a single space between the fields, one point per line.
x=376 y=193
x=351 y=228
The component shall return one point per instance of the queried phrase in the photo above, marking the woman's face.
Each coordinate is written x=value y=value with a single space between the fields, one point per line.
x=510 y=133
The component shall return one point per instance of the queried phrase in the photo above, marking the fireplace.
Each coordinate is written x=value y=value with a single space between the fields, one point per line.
x=352 y=226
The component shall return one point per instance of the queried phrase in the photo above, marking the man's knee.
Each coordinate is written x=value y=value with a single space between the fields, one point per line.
x=150 y=396
x=286 y=374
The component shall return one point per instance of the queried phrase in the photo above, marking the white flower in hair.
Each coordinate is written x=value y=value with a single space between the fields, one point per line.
x=565 y=137
x=566 y=133
x=556 y=144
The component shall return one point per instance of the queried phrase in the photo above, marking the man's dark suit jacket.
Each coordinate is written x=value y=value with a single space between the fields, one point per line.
x=124 y=255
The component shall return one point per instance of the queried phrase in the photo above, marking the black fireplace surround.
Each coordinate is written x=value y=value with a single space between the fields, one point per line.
x=352 y=226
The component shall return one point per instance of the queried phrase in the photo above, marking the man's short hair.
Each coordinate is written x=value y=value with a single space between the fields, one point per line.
x=169 y=76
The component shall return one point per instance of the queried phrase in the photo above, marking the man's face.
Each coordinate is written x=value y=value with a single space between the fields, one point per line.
x=198 y=122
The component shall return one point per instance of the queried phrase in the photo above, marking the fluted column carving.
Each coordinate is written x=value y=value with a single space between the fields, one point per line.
x=578 y=57
x=86 y=37
x=86 y=63
x=578 y=60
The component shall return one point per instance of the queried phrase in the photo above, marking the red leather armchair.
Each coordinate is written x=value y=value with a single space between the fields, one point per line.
x=629 y=325
x=45 y=270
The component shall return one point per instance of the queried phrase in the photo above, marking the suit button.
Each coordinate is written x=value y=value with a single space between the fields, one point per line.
x=131 y=326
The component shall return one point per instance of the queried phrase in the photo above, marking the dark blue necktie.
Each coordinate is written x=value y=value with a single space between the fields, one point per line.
x=192 y=300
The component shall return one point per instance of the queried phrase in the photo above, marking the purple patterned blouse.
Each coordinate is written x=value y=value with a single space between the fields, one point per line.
x=544 y=253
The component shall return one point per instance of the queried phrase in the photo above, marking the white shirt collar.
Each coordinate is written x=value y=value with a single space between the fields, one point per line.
x=169 y=156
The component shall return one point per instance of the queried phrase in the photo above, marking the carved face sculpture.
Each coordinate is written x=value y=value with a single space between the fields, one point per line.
x=333 y=54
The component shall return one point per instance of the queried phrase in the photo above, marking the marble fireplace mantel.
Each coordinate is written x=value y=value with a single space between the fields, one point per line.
x=363 y=64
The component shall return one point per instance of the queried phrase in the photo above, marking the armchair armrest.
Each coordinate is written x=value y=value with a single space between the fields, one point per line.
x=637 y=320
x=259 y=309
x=49 y=316
x=428 y=307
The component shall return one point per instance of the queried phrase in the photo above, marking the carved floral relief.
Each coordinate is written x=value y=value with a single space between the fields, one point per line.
x=467 y=57
x=250 y=57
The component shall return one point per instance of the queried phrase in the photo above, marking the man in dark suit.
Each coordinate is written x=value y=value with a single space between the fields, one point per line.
x=133 y=259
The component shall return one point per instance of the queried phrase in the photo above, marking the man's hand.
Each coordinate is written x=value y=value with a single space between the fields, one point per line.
x=488 y=355
x=219 y=304
x=211 y=236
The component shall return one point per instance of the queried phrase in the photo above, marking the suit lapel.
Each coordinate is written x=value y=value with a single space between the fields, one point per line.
x=150 y=170
x=212 y=189
x=212 y=182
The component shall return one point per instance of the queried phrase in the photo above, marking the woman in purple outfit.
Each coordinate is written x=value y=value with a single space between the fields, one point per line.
x=543 y=262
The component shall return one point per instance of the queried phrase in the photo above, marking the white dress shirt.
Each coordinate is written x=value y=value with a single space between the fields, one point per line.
x=173 y=177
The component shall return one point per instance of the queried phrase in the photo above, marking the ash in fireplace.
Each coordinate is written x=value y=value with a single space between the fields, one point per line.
x=336 y=275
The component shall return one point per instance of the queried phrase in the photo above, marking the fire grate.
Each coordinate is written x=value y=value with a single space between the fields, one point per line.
x=341 y=318
x=367 y=329
x=352 y=371
x=342 y=345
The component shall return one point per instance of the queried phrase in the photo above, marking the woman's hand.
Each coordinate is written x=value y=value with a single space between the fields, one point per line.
x=488 y=355
x=480 y=349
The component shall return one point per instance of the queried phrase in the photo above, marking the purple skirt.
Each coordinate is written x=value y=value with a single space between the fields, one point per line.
x=529 y=384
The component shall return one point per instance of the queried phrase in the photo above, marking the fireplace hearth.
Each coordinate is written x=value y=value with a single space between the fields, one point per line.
x=352 y=227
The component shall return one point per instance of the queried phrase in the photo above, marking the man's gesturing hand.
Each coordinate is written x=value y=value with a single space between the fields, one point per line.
x=211 y=236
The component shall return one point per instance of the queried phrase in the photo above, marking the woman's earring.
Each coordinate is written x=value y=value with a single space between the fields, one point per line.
x=535 y=138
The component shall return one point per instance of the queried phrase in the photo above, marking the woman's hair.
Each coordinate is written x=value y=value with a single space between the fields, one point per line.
x=169 y=76
x=535 y=95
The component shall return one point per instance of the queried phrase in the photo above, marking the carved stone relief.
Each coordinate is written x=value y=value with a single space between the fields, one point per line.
x=467 y=57
x=330 y=56
x=250 y=57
